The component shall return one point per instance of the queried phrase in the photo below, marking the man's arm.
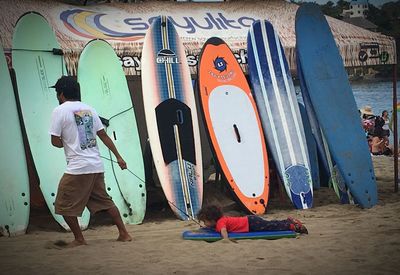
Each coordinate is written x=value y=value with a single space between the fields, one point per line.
x=110 y=145
x=56 y=141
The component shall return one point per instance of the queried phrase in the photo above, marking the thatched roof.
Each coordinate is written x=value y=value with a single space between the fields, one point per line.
x=123 y=25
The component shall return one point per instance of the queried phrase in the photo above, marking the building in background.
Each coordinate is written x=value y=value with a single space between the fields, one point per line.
x=357 y=14
x=358 y=8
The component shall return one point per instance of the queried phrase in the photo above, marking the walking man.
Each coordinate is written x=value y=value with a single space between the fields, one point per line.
x=74 y=127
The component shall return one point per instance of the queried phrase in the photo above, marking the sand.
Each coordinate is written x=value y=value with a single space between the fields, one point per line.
x=342 y=239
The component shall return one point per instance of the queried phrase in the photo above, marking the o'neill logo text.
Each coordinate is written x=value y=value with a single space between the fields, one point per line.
x=167 y=56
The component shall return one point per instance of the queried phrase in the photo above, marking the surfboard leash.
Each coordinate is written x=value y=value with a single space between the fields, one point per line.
x=140 y=179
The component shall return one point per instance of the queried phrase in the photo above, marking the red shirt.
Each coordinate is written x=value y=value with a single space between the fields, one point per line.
x=233 y=224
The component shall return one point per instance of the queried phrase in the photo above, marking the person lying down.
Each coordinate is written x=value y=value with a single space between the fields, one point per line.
x=213 y=217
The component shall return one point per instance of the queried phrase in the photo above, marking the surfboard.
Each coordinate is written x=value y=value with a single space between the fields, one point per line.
x=335 y=178
x=38 y=63
x=14 y=183
x=334 y=104
x=311 y=146
x=233 y=125
x=104 y=87
x=316 y=131
x=171 y=118
x=211 y=235
x=279 y=112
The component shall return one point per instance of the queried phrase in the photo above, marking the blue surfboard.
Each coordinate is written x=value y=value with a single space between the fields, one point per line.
x=311 y=146
x=335 y=178
x=279 y=112
x=331 y=96
x=210 y=235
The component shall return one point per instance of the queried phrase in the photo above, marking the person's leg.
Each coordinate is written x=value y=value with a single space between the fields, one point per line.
x=99 y=200
x=76 y=230
x=259 y=224
x=72 y=196
x=116 y=216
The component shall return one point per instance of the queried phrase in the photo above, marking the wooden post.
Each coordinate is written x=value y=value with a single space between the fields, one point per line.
x=395 y=136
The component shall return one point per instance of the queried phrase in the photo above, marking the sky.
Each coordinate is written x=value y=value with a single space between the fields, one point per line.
x=376 y=3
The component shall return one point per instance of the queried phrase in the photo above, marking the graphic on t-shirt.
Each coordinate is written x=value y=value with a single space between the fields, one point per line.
x=84 y=121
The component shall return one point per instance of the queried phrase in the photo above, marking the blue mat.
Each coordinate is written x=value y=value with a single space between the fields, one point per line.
x=210 y=235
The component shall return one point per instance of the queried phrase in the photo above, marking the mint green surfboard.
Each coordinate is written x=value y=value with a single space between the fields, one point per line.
x=14 y=180
x=37 y=67
x=104 y=87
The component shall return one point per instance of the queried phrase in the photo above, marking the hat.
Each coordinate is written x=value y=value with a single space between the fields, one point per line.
x=68 y=86
x=366 y=110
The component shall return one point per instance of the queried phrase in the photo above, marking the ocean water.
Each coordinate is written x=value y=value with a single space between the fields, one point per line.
x=378 y=95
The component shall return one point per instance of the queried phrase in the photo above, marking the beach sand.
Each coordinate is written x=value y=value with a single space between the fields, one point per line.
x=343 y=239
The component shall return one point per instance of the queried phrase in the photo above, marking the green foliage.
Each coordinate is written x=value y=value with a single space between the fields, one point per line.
x=387 y=18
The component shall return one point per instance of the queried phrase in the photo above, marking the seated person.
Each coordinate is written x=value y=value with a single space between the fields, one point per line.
x=379 y=146
x=368 y=119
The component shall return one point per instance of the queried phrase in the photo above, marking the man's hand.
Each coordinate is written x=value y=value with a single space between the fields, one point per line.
x=122 y=163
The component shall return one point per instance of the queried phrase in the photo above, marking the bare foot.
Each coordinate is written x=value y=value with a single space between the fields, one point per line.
x=75 y=243
x=124 y=238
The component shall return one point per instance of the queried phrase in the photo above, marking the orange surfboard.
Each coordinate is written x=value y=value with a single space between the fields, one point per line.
x=233 y=125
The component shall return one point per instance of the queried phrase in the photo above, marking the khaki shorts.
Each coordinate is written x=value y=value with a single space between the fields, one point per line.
x=77 y=191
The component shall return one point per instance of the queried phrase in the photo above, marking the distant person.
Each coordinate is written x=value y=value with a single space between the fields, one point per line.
x=366 y=112
x=213 y=217
x=74 y=127
x=381 y=128
x=385 y=116
x=379 y=146
x=367 y=119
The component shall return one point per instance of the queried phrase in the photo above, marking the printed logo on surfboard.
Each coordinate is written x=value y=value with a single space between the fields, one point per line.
x=220 y=71
x=220 y=64
x=167 y=56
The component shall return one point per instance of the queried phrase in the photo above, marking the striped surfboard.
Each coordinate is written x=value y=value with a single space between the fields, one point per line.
x=279 y=111
x=171 y=118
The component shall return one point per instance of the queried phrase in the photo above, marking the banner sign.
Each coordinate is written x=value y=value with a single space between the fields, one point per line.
x=124 y=27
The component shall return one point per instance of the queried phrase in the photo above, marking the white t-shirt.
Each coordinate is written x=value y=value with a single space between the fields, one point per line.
x=77 y=124
x=386 y=126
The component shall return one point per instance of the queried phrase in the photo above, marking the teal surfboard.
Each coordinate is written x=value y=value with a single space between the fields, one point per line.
x=331 y=96
x=104 y=87
x=14 y=183
x=38 y=63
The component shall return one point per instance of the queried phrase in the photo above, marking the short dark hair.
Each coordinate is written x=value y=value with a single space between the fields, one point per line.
x=385 y=111
x=210 y=213
x=69 y=87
